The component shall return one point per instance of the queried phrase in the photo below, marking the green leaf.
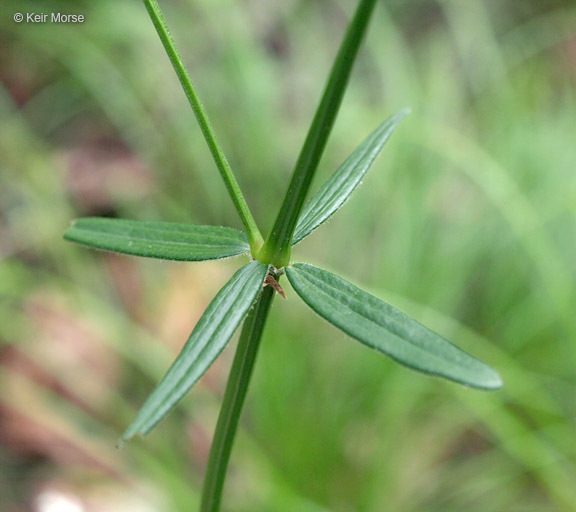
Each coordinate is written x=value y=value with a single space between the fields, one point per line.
x=208 y=339
x=339 y=187
x=164 y=240
x=386 y=329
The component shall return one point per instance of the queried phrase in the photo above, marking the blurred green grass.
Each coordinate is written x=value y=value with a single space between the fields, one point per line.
x=467 y=221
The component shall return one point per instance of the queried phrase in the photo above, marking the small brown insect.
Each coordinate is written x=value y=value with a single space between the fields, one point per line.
x=271 y=281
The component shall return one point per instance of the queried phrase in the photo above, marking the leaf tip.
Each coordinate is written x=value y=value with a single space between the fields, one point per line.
x=494 y=382
x=66 y=234
x=488 y=380
x=128 y=434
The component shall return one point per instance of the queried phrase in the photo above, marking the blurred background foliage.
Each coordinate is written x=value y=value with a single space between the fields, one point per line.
x=467 y=222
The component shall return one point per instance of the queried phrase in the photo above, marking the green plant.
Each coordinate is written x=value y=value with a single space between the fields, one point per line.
x=249 y=293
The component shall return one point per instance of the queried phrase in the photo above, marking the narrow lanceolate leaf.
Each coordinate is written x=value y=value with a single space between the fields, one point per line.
x=207 y=340
x=339 y=187
x=386 y=329
x=163 y=240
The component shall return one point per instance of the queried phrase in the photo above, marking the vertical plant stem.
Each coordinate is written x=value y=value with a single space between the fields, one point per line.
x=234 y=396
x=276 y=250
x=224 y=168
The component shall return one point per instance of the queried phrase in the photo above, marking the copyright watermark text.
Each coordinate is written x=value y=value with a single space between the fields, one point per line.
x=52 y=17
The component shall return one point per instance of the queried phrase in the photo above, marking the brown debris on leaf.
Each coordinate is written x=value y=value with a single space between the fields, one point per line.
x=271 y=281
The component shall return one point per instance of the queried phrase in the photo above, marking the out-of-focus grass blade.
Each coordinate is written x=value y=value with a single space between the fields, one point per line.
x=163 y=240
x=207 y=340
x=386 y=329
x=338 y=188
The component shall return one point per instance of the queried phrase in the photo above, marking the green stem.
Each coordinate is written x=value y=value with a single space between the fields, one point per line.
x=276 y=250
x=234 y=396
x=234 y=191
